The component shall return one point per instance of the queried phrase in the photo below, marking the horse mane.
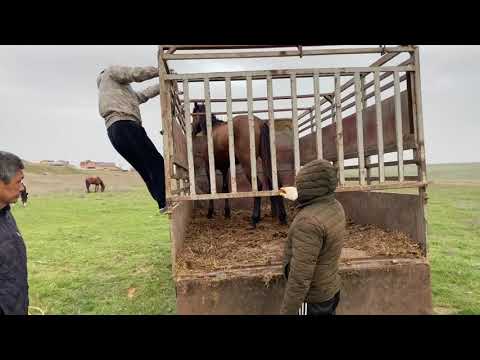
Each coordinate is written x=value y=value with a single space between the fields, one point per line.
x=216 y=121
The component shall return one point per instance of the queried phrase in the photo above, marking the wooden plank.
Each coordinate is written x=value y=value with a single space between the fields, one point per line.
x=211 y=158
x=388 y=178
x=191 y=166
x=296 y=145
x=379 y=121
x=359 y=118
x=271 y=123
x=339 y=131
x=318 y=115
x=288 y=53
x=398 y=123
x=231 y=138
x=388 y=163
x=385 y=186
x=284 y=73
x=251 y=130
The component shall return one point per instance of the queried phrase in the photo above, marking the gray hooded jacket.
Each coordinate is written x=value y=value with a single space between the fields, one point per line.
x=116 y=98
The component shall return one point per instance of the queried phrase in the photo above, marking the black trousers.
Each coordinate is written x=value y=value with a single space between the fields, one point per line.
x=131 y=141
x=328 y=307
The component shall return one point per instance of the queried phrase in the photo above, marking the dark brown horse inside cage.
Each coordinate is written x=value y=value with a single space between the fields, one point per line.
x=242 y=157
x=94 y=180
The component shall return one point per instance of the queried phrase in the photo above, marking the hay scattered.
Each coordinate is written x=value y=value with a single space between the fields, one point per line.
x=222 y=244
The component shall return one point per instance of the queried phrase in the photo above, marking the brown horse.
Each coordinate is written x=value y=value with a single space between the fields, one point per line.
x=242 y=156
x=94 y=180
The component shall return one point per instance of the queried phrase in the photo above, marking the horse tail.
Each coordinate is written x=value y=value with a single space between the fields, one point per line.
x=265 y=152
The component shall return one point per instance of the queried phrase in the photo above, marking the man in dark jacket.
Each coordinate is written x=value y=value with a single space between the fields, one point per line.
x=13 y=255
x=314 y=244
x=119 y=104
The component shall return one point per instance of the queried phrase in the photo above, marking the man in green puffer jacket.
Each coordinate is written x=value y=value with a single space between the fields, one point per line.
x=314 y=244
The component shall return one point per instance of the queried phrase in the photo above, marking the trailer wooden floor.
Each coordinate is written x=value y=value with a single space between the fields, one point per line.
x=222 y=244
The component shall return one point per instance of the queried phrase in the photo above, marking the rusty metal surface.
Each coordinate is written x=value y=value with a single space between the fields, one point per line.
x=179 y=146
x=400 y=286
x=401 y=212
x=179 y=220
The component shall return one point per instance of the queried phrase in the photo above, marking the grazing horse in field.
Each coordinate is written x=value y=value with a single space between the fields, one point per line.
x=242 y=156
x=94 y=180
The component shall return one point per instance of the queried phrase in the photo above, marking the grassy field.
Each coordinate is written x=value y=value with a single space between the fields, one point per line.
x=97 y=254
x=110 y=253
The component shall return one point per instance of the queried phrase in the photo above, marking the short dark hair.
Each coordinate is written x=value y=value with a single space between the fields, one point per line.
x=10 y=164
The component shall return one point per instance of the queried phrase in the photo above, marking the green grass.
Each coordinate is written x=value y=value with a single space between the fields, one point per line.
x=86 y=251
x=454 y=247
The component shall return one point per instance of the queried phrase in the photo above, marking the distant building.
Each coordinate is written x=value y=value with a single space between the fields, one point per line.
x=88 y=164
x=99 y=165
x=55 y=162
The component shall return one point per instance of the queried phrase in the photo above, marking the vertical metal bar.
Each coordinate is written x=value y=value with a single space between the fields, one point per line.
x=271 y=119
x=318 y=115
x=418 y=98
x=339 y=128
x=296 y=142
x=364 y=107
x=188 y=123
x=413 y=112
x=359 y=118
x=231 y=138
x=251 y=129
x=378 y=107
x=166 y=122
x=398 y=124
x=211 y=158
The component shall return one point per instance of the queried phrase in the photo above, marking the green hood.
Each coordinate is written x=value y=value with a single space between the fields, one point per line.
x=317 y=180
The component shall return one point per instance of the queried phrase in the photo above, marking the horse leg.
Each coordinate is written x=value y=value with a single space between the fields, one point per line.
x=257 y=206
x=273 y=202
x=225 y=190
x=282 y=213
x=211 y=211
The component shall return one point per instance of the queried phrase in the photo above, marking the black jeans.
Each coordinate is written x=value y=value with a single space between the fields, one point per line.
x=324 y=308
x=131 y=141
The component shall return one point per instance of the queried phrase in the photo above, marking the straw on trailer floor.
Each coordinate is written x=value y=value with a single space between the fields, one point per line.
x=220 y=244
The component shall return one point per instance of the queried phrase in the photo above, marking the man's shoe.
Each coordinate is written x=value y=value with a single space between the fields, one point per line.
x=164 y=210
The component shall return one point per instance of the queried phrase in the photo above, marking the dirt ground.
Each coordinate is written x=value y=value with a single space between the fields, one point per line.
x=220 y=244
x=38 y=184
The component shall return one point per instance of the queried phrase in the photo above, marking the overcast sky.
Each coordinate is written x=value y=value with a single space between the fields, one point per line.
x=49 y=99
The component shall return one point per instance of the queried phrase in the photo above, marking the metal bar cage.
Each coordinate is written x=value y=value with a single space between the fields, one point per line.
x=356 y=117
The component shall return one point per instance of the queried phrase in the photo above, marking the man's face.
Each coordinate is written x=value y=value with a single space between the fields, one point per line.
x=9 y=193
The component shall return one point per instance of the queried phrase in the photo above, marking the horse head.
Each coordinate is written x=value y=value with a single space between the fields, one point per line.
x=199 y=119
